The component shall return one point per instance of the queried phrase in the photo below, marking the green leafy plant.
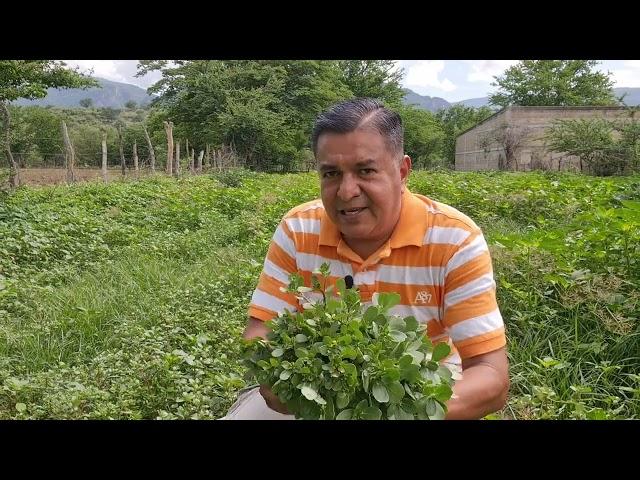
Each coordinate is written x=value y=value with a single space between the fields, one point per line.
x=339 y=360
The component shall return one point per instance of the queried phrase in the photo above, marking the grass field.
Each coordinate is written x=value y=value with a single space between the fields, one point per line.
x=127 y=300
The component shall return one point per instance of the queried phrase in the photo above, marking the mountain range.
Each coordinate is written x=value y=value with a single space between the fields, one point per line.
x=117 y=94
x=109 y=94
x=434 y=104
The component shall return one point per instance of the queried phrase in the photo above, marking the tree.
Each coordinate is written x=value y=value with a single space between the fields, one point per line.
x=309 y=88
x=423 y=136
x=607 y=147
x=30 y=79
x=134 y=135
x=379 y=79
x=108 y=114
x=130 y=105
x=510 y=140
x=629 y=139
x=45 y=125
x=87 y=142
x=453 y=121
x=553 y=83
x=23 y=136
x=36 y=137
x=263 y=109
x=86 y=103
x=257 y=131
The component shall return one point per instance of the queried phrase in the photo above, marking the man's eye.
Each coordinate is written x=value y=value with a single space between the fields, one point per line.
x=330 y=174
x=367 y=171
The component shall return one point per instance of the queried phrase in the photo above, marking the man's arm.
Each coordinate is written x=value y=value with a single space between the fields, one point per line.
x=484 y=386
x=474 y=323
x=255 y=328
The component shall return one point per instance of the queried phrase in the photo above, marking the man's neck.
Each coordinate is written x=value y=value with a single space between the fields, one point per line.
x=364 y=249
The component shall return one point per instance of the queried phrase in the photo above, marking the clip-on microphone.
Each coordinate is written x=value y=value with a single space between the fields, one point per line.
x=348 y=280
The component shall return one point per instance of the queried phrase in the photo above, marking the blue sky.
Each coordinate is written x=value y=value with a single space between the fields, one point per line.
x=453 y=80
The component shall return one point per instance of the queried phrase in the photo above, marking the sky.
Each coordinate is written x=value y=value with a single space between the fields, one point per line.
x=453 y=80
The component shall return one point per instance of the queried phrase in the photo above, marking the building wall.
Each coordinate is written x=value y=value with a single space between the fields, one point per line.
x=475 y=149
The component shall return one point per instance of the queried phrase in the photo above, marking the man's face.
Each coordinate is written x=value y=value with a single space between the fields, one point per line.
x=361 y=183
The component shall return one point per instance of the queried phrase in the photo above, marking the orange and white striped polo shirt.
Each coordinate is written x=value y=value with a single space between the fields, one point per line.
x=437 y=260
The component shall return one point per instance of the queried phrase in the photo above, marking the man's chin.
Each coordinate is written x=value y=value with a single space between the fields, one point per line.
x=355 y=232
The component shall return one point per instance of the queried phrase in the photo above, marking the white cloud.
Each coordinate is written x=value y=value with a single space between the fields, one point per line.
x=628 y=76
x=116 y=70
x=101 y=68
x=485 y=70
x=425 y=73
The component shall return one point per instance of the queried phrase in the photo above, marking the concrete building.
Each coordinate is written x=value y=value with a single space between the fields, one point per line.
x=513 y=138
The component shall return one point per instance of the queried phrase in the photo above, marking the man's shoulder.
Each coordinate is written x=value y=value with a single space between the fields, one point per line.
x=444 y=215
x=311 y=209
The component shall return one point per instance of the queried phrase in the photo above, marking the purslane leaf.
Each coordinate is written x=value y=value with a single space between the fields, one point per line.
x=344 y=360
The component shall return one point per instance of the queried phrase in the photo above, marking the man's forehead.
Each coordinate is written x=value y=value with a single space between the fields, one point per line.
x=353 y=134
x=356 y=142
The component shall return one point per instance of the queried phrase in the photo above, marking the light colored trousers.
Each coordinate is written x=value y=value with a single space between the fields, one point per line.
x=251 y=406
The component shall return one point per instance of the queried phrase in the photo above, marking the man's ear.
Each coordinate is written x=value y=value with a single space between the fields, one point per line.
x=405 y=168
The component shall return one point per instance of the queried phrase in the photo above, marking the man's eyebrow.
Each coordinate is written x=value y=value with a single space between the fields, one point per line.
x=366 y=163
x=327 y=166
x=361 y=164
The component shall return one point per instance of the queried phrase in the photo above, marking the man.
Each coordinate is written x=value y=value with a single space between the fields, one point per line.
x=369 y=226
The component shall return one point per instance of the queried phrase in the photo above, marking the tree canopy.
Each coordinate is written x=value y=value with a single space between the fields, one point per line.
x=553 y=83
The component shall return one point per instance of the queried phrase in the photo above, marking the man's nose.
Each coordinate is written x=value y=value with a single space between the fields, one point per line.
x=349 y=188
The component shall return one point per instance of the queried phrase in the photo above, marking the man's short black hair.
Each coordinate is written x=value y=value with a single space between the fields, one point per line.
x=350 y=115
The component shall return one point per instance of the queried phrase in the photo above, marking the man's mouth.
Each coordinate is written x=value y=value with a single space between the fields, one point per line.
x=350 y=212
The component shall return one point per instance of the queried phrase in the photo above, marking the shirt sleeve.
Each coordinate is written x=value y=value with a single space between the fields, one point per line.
x=471 y=314
x=268 y=301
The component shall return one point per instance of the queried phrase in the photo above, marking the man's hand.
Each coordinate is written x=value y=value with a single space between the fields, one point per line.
x=272 y=400
x=257 y=328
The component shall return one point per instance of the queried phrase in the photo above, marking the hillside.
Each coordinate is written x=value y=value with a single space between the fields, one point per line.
x=110 y=94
